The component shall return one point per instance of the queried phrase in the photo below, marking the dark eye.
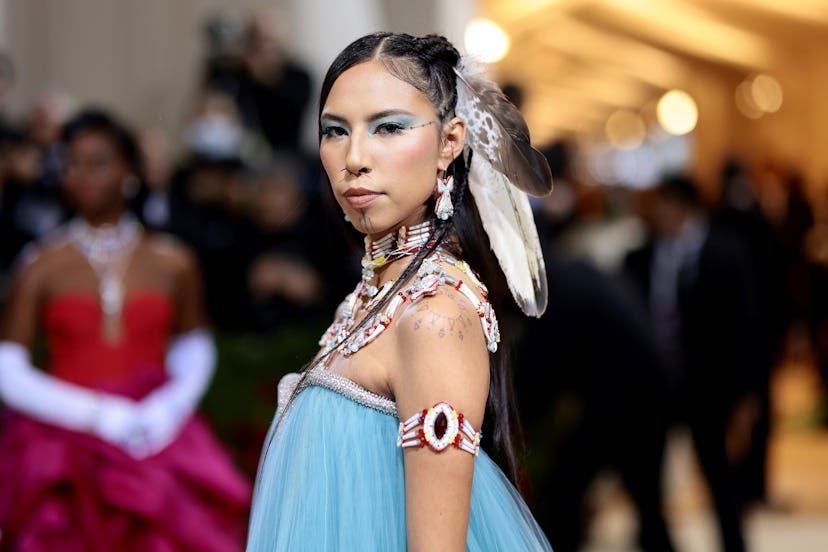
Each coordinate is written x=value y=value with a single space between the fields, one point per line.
x=333 y=131
x=389 y=128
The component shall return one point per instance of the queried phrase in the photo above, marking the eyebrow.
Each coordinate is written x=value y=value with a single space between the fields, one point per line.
x=373 y=117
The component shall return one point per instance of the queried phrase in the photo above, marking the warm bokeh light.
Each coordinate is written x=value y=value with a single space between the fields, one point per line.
x=757 y=95
x=486 y=41
x=625 y=130
x=677 y=112
x=745 y=103
x=766 y=93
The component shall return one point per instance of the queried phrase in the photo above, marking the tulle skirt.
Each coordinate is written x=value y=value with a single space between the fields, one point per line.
x=332 y=479
x=67 y=491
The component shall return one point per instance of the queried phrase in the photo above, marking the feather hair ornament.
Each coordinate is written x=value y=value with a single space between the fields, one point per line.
x=505 y=167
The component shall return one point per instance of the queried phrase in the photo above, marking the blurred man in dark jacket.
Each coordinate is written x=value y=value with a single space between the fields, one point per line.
x=593 y=390
x=697 y=280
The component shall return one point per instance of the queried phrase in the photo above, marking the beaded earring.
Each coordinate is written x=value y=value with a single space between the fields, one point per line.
x=443 y=208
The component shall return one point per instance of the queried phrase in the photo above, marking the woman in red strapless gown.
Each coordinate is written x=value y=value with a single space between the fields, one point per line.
x=103 y=452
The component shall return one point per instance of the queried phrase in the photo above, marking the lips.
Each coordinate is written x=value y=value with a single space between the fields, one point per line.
x=360 y=197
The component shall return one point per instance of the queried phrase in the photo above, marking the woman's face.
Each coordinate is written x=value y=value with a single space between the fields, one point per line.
x=383 y=147
x=94 y=174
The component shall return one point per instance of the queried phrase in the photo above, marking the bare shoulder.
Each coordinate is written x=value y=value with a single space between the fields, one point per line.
x=40 y=259
x=178 y=262
x=38 y=267
x=445 y=316
x=31 y=268
x=172 y=252
x=441 y=355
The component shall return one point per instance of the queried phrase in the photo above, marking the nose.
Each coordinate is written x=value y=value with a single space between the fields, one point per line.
x=356 y=160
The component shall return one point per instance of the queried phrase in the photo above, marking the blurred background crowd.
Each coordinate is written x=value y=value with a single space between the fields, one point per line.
x=687 y=252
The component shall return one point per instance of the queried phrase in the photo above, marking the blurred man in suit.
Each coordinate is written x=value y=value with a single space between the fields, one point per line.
x=592 y=387
x=696 y=278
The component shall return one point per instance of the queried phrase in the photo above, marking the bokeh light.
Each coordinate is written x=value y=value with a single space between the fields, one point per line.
x=744 y=101
x=767 y=93
x=486 y=41
x=677 y=112
x=757 y=95
x=625 y=130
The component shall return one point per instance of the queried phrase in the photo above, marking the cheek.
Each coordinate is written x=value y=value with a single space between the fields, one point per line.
x=109 y=182
x=111 y=177
x=417 y=160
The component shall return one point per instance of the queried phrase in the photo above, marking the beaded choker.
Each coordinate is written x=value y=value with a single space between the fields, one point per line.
x=395 y=245
x=404 y=241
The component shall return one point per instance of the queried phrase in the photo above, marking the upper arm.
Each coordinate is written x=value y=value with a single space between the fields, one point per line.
x=442 y=356
x=188 y=286
x=25 y=296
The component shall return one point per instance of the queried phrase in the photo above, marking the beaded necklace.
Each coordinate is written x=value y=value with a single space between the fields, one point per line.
x=341 y=336
x=108 y=249
x=406 y=241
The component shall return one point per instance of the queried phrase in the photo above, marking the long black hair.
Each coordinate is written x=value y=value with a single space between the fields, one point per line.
x=427 y=63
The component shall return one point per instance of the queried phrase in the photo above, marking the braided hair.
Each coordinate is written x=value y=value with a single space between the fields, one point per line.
x=427 y=63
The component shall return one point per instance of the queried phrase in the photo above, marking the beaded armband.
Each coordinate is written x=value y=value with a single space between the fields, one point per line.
x=442 y=427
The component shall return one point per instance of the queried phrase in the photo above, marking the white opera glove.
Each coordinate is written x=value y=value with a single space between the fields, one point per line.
x=47 y=399
x=190 y=364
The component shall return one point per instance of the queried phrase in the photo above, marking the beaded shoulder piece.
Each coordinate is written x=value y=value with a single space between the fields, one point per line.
x=430 y=276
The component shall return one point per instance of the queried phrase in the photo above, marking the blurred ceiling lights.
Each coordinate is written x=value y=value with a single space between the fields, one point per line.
x=581 y=61
x=685 y=27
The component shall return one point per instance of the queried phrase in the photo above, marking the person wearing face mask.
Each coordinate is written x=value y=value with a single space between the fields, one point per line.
x=250 y=63
x=102 y=450
x=377 y=444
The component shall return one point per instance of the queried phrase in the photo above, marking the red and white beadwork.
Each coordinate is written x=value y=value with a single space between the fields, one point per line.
x=430 y=276
x=442 y=427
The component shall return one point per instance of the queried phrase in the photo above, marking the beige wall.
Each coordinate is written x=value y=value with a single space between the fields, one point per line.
x=794 y=139
x=139 y=57
x=143 y=57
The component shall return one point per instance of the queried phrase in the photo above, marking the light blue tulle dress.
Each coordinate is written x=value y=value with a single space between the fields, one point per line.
x=331 y=478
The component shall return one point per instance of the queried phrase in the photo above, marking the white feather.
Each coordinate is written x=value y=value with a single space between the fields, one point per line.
x=503 y=168
x=507 y=219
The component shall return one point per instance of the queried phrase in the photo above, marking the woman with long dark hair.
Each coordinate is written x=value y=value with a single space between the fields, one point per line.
x=102 y=450
x=376 y=445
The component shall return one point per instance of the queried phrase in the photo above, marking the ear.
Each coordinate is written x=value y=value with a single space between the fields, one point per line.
x=454 y=136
